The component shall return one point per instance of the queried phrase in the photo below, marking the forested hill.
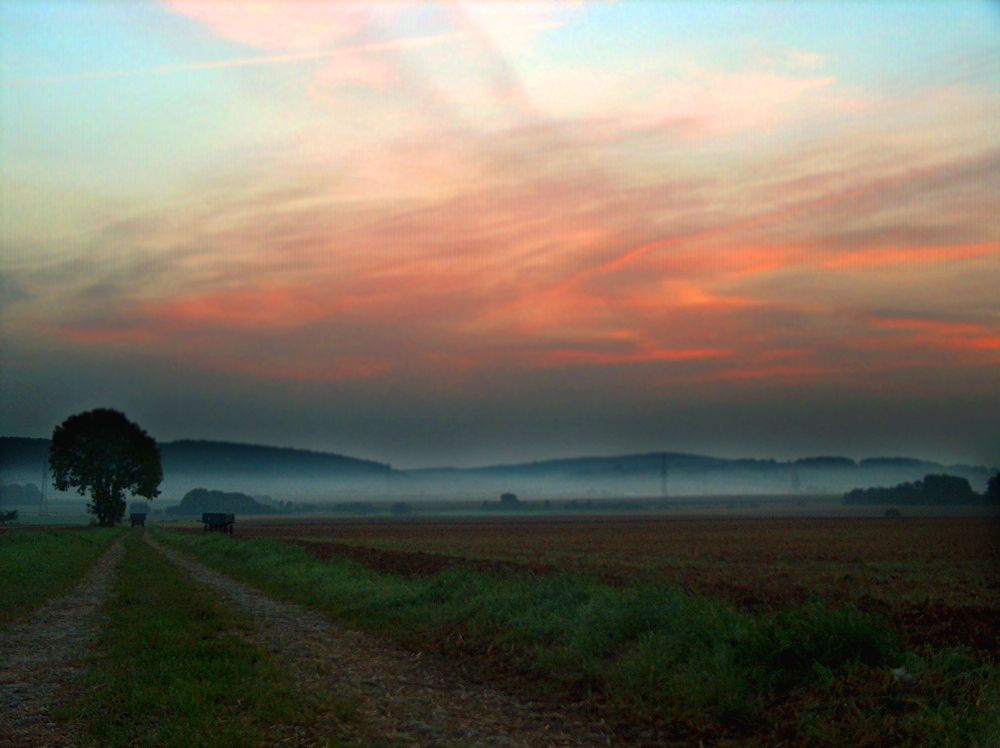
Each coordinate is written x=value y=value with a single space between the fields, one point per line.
x=253 y=459
x=23 y=459
x=654 y=462
x=690 y=474
x=20 y=455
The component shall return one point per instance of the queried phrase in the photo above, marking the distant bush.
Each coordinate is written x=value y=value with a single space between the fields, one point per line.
x=893 y=512
x=933 y=489
x=401 y=509
x=199 y=500
x=10 y=516
x=13 y=494
x=509 y=501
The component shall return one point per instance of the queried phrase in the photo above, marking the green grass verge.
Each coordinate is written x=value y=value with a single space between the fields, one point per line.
x=176 y=669
x=36 y=565
x=653 y=655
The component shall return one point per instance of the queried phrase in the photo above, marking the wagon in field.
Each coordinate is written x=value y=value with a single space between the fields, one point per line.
x=138 y=518
x=218 y=521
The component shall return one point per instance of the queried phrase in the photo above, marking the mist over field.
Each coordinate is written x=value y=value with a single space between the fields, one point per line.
x=666 y=479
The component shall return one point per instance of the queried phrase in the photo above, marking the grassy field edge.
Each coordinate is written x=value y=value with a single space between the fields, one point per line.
x=37 y=565
x=176 y=670
x=650 y=655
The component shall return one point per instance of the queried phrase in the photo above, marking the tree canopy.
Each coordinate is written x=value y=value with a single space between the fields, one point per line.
x=933 y=489
x=105 y=454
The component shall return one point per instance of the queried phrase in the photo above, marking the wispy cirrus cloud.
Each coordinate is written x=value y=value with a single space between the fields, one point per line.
x=354 y=57
x=448 y=249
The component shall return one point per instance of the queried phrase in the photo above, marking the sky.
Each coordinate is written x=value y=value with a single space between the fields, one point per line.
x=453 y=233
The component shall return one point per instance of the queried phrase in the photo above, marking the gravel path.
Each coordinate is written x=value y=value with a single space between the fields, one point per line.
x=41 y=654
x=403 y=699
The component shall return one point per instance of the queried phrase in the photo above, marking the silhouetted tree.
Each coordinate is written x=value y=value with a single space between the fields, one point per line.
x=993 y=490
x=509 y=501
x=105 y=454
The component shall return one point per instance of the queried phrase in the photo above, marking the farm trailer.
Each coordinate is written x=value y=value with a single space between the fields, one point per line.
x=218 y=521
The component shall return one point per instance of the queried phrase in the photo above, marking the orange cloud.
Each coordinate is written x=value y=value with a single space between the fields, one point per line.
x=871 y=258
x=574 y=357
x=255 y=308
x=909 y=342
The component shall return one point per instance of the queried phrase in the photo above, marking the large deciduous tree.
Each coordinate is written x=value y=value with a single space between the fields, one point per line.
x=103 y=452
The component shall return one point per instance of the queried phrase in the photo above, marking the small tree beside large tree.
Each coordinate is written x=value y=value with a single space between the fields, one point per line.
x=105 y=454
x=993 y=490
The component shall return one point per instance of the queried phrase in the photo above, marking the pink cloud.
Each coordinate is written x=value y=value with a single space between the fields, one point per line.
x=721 y=102
x=277 y=24
x=355 y=68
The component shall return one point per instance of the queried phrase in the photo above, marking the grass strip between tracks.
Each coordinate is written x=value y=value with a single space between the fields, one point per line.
x=653 y=657
x=36 y=565
x=175 y=668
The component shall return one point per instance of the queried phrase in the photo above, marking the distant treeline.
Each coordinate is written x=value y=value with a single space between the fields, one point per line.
x=199 y=500
x=13 y=495
x=933 y=489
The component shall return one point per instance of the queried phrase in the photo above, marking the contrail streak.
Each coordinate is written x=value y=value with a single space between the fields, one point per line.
x=372 y=47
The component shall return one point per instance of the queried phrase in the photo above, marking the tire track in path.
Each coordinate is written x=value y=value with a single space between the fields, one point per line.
x=403 y=699
x=42 y=653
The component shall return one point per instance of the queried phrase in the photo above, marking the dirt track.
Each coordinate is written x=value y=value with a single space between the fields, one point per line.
x=43 y=653
x=402 y=698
